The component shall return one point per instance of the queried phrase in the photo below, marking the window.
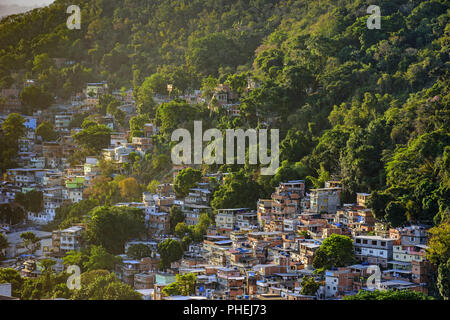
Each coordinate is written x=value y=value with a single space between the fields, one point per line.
x=383 y=243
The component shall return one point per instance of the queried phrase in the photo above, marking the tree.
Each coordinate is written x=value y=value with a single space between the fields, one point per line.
x=76 y=258
x=130 y=189
x=34 y=98
x=104 y=190
x=185 y=180
x=12 y=213
x=238 y=191
x=12 y=129
x=30 y=241
x=41 y=63
x=47 y=265
x=181 y=229
x=139 y=251
x=111 y=227
x=89 y=277
x=389 y=295
x=207 y=54
x=295 y=146
x=335 y=251
x=176 y=114
x=106 y=287
x=32 y=201
x=99 y=258
x=145 y=93
x=176 y=216
x=137 y=124
x=94 y=137
x=46 y=132
x=438 y=251
x=9 y=275
x=443 y=280
x=153 y=186
x=170 y=251
x=184 y=285
x=69 y=214
x=309 y=286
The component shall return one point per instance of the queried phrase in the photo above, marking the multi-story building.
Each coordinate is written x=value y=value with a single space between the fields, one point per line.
x=142 y=144
x=11 y=103
x=325 y=200
x=195 y=204
x=306 y=251
x=67 y=240
x=230 y=284
x=145 y=280
x=74 y=189
x=362 y=199
x=339 y=282
x=118 y=139
x=158 y=223
x=26 y=177
x=62 y=122
x=374 y=249
x=228 y=220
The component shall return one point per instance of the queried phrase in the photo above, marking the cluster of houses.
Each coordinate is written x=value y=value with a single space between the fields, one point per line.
x=246 y=254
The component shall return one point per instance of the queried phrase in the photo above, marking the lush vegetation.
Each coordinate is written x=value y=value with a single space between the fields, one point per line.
x=335 y=251
x=369 y=107
x=389 y=295
x=386 y=135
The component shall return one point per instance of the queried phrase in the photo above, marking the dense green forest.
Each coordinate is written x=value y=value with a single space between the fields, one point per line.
x=370 y=107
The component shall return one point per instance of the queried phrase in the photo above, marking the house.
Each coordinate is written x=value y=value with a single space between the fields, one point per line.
x=74 y=188
x=228 y=220
x=96 y=89
x=26 y=177
x=11 y=103
x=362 y=199
x=223 y=95
x=325 y=200
x=158 y=223
x=142 y=144
x=62 y=122
x=91 y=168
x=286 y=201
x=374 y=250
x=16 y=247
x=118 y=154
x=306 y=251
x=339 y=282
x=230 y=284
x=145 y=280
x=196 y=203
x=118 y=139
x=150 y=130
x=67 y=240
x=53 y=153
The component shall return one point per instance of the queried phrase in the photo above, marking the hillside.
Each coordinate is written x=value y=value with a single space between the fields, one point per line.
x=369 y=107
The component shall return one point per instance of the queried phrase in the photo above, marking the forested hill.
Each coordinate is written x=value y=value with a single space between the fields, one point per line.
x=367 y=106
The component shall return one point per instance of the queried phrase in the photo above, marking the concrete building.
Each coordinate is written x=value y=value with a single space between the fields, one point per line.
x=325 y=200
x=374 y=250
